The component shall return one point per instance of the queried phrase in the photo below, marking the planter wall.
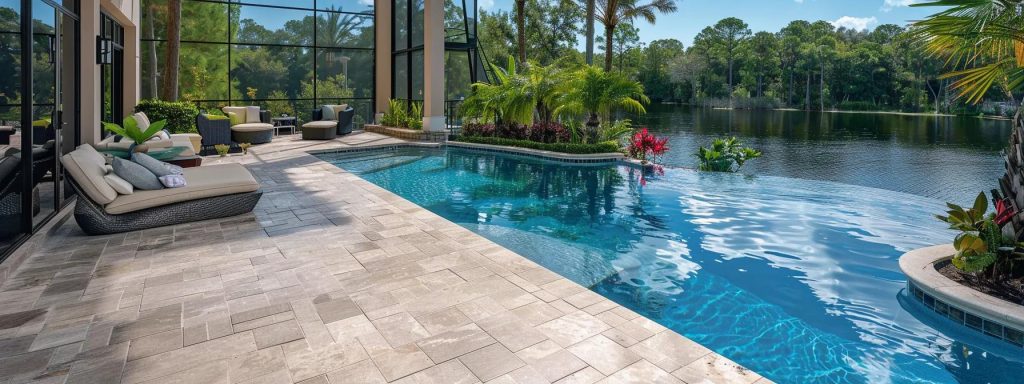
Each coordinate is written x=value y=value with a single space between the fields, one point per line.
x=408 y=134
x=990 y=315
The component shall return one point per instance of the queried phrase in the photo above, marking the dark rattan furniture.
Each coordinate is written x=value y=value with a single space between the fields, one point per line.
x=214 y=131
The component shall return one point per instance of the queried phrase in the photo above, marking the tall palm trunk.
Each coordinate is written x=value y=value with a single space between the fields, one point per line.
x=807 y=92
x=609 y=30
x=590 y=31
x=593 y=126
x=170 y=86
x=521 y=29
x=821 y=86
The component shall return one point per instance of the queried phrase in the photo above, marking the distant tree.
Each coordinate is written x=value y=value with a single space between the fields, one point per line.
x=727 y=35
x=613 y=12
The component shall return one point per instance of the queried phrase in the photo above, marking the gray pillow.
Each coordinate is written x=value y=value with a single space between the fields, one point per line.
x=159 y=168
x=328 y=112
x=137 y=175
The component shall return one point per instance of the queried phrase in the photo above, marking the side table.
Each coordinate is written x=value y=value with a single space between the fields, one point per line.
x=284 y=123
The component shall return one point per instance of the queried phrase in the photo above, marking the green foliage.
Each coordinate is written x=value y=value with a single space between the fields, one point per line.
x=595 y=93
x=516 y=96
x=414 y=120
x=279 y=104
x=131 y=130
x=397 y=114
x=979 y=238
x=180 y=116
x=222 y=149
x=725 y=155
x=573 y=148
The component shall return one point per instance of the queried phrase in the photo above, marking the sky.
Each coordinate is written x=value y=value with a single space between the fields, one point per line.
x=766 y=15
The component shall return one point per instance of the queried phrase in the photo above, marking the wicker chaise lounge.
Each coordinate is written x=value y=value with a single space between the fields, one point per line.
x=212 y=192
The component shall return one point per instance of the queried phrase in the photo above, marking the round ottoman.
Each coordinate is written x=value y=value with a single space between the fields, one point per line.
x=319 y=130
x=252 y=133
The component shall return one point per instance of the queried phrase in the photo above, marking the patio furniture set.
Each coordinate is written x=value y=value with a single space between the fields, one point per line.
x=255 y=126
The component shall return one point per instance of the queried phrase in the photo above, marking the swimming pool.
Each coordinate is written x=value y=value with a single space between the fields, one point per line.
x=795 y=279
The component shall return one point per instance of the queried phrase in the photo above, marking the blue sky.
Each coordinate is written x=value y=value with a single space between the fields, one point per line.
x=767 y=15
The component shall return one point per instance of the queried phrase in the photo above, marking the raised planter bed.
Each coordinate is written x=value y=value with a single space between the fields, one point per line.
x=408 y=134
x=974 y=309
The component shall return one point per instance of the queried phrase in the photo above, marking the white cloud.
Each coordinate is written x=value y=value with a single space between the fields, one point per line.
x=888 y=5
x=856 y=23
x=485 y=4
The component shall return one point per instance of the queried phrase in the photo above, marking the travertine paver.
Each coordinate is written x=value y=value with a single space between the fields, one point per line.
x=330 y=280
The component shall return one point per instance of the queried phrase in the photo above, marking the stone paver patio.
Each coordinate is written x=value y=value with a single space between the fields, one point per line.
x=331 y=280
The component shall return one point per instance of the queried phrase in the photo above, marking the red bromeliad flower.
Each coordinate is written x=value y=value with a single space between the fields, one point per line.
x=644 y=144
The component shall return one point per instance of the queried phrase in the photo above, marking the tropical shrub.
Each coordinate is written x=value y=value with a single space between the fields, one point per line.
x=572 y=148
x=478 y=129
x=414 y=119
x=593 y=93
x=645 y=147
x=396 y=115
x=131 y=130
x=516 y=96
x=981 y=247
x=180 y=116
x=549 y=132
x=725 y=155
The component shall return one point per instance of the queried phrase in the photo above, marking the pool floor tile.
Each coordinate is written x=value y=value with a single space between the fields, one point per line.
x=330 y=279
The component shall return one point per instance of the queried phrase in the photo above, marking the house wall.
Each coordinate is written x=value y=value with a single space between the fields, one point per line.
x=126 y=12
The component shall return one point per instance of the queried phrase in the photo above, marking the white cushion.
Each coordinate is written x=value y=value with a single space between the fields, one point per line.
x=321 y=124
x=252 y=114
x=142 y=120
x=88 y=168
x=122 y=186
x=202 y=182
x=239 y=112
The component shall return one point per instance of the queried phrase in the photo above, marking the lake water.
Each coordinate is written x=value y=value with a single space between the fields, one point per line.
x=946 y=158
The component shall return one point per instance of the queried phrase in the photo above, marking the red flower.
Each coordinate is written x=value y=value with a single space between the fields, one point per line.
x=644 y=144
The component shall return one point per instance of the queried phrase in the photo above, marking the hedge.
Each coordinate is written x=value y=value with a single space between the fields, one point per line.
x=572 y=148
x=180 y=116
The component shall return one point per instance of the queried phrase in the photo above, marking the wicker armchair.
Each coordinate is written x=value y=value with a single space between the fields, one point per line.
x=214 y=131
x=345 y=121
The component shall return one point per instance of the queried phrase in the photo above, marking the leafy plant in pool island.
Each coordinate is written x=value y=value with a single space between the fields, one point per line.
x=646 y=147
x=981 y=246
x=131 y=130
x=725 y=155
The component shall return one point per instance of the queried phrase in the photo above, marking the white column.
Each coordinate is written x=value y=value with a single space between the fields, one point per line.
x=433 y=66
x=382 y=24
x=132 y=49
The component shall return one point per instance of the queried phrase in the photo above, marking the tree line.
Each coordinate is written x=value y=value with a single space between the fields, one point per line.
x=805 y=65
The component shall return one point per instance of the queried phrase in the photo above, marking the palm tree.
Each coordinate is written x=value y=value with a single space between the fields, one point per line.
x=516 y=96
x=521 y=29
x=613 y=12
x=983 y=43
x=595 y=93
x=590 y=30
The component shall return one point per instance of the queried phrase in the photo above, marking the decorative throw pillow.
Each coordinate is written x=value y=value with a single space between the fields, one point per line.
x=158 y=167
x=218 y=117
x=142 y=120
x=339 y=109
x=137 y=175
x=329 y=113
x=252 y=114
x=235 y=120
x=120 y=185
x=173 y=181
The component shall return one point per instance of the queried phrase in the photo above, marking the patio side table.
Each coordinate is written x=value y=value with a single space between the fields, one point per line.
x=284 y=123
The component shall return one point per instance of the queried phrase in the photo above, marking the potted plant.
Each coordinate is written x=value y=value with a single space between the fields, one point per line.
x=245 y=148
x=131 y=131
x=222 y=149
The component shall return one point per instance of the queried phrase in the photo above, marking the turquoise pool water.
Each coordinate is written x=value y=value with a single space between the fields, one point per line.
x=795 y=279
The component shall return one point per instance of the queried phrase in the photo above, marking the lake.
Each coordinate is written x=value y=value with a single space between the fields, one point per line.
x=941 y=157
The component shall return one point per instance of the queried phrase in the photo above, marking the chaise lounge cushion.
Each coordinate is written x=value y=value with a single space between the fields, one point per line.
x=202 y=182
x=252 y=127
x=88 y=167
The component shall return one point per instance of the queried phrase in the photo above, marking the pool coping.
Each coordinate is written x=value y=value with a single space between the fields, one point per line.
x=581 y=159
x=919 y=267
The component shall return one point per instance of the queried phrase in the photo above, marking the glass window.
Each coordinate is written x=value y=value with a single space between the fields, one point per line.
x=344 y=73
x=154 y=19
x=344 y=30
x=356 y=6
x=417 y=76
x=272 y=25
x=202 y=71
x=201 y=21
x=401 y=24
x=10 y=15
x=456 y=75
x=417 y=23
x=152 y=56
x=401 y=76
x=308 y=4
x=264 y=72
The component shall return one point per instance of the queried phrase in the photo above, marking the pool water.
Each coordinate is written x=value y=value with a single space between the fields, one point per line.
x=795 y=279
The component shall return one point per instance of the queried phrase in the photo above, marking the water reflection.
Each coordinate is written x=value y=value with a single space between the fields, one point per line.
x=947 y=158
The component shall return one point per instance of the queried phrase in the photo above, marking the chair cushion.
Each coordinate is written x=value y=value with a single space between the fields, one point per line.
x=88 y=167
x=252 y=114
x=330 y=113
x=252 y=127
x=234 y=119
x=338 y=109
x=137 y=175
x=142 y=120
x=158 y=167
x=122 y=186
x=202 y=182
x=322 y=124
x=239 y=114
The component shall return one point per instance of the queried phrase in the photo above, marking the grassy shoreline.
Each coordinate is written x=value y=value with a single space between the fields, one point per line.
x=987 y=117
